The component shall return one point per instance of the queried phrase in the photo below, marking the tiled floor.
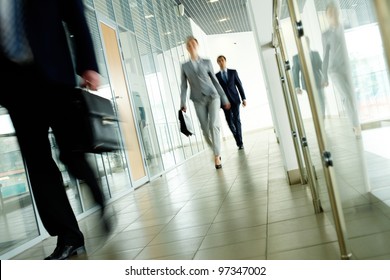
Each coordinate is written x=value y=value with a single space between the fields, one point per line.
x=246 y=210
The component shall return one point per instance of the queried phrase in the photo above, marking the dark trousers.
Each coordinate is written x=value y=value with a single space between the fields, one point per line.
x=234 y=122
x=34 y=107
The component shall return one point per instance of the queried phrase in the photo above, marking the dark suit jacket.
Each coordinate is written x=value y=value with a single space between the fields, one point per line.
x=316 y=62
x=233 y=88
x=48 y=40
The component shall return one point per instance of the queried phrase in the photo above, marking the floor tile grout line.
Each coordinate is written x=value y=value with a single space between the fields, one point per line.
x=172 y=217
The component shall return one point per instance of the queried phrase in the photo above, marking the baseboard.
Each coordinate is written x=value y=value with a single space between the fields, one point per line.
x=375 y=124
x=294 y=177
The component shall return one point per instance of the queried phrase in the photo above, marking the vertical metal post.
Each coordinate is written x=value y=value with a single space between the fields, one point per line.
x=290 y=118
x=287 y=100
x=298 y=117
x=327 y=162
x=383 y=12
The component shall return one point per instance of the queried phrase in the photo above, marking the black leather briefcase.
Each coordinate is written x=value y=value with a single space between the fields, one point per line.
x=94 y=124
x=185 y=124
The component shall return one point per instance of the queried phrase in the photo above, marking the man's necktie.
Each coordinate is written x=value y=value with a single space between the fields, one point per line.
x=224 y=76
x=13 y=39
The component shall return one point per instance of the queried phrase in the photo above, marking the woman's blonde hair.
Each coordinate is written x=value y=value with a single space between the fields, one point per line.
x=190 y=38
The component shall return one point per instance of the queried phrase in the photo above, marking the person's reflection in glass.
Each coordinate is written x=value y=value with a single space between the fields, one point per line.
x=299 y=80
x=336 y=64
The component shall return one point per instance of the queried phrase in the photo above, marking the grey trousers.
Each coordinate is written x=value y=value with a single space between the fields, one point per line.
x=207 y=111
x=344 y=87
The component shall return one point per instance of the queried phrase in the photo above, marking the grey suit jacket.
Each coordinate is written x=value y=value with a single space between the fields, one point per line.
x=202 y=82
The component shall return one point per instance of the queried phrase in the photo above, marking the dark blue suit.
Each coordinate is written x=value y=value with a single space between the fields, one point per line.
x=234 y=91
x=299 y=80
x=34 y=106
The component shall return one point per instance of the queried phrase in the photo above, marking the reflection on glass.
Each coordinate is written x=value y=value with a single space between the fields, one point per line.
x=369 y=73
x=347 y=37
x=115 y=163
x=171 y=109
x=159 y=101
x=117 y=174
x=18 y=223
x=141 y=103
x=299 y=80
x=336 y=64
x=172 y=79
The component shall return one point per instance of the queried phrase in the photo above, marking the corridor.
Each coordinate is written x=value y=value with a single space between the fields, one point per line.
x=246 y=210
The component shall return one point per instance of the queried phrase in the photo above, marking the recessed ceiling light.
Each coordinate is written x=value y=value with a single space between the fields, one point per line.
x=223 y=19
x=227 y=31
x=149 y=16
x=212 y=1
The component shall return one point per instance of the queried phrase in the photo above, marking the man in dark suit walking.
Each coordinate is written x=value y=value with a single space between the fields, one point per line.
x=45 y=68
x=299 y=80
x=231 y=84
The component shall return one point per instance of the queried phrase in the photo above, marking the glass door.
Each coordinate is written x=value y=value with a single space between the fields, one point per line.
x=140 y=97
x=18 y=221
x=340 y=40
x=120 y=89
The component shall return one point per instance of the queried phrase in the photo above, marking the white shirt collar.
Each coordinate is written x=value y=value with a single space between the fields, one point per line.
x=195 y=60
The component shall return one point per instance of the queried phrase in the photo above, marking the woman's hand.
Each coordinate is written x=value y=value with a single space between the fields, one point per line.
x=226 y=106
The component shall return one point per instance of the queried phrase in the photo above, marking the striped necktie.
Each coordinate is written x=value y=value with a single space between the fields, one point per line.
x=13 y=39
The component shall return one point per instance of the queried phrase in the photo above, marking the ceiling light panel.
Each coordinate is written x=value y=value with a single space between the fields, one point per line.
x=207 y=15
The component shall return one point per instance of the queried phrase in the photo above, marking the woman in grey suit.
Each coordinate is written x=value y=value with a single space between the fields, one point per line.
x=336 y=64
x=207 y=95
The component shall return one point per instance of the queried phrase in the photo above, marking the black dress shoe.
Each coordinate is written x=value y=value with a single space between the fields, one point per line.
x=241 y=147
x=63 y=252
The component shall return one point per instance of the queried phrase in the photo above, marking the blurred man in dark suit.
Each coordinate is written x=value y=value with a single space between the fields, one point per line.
x=34 y=51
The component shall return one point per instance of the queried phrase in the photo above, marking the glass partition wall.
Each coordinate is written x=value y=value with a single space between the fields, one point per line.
x=18 y=222
x=345 y=103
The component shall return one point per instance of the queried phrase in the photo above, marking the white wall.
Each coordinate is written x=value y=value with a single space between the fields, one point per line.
x=202 y=38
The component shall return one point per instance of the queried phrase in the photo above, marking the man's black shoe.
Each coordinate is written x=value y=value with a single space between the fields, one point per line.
x=63 y=252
